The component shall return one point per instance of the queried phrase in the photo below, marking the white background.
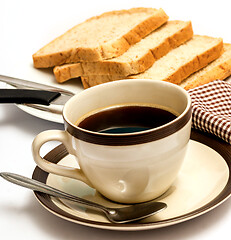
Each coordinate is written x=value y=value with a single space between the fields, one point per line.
x=25 y=26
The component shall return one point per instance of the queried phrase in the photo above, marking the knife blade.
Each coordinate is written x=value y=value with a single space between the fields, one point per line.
x=20 y=83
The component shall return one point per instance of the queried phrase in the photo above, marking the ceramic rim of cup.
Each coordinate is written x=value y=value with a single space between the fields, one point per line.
x=133 y=138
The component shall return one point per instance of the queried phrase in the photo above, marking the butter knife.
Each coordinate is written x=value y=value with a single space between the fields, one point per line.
x=36 y=95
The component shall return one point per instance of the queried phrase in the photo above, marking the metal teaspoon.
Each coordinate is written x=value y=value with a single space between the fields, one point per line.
x=116 y=215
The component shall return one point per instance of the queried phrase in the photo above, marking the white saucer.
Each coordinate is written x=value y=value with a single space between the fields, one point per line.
x=203 y=183
x=74 y=86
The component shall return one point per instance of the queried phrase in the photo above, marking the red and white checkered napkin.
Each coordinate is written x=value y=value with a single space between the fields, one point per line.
x=211 y=108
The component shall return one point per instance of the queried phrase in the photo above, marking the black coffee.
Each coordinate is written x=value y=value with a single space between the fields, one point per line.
x=126 y=119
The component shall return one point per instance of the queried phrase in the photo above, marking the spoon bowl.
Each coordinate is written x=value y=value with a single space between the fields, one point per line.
x=134 y=212
x=125 y=214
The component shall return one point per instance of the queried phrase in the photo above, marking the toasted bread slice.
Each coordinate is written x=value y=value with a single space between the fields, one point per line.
x=101 y=37
x=175 y=66
x=218 y=69
x=137 y=58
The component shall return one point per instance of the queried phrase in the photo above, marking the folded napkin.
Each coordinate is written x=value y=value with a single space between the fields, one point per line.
x=211 y=108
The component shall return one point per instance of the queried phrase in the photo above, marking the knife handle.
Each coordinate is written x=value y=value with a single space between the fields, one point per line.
x=21 y=96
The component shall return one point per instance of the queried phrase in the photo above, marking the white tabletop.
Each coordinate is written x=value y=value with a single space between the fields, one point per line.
x=25 y=26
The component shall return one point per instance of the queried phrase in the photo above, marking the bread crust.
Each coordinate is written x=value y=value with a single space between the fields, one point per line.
x=218 y=69
x=107 y=50
x=196 y=64
x=132 y=66
x=176 y=77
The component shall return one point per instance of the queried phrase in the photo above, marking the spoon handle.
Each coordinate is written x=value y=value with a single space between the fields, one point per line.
x=41 y=187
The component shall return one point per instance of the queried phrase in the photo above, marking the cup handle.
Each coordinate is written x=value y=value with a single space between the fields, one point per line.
x=65 y=138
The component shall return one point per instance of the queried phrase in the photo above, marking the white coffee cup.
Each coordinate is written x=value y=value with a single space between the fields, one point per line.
x=130 y=167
